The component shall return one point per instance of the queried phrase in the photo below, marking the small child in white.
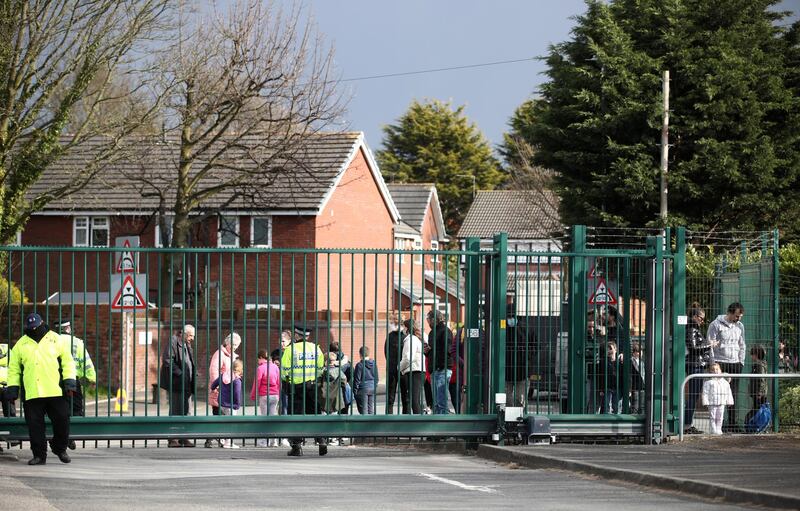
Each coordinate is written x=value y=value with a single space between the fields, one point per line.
x=716 y=396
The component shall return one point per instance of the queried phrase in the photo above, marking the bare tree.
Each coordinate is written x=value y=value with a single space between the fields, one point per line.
x=58 y=63
x=243 y=93
x=538 y=183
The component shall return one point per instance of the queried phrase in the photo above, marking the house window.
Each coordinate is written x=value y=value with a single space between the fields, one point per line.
x=444 y=308
x=399 y=244
x=261 y=231
x=418 y=246
x=434 y=257
x=228 y=233
x=169 y=219
x=90 y=231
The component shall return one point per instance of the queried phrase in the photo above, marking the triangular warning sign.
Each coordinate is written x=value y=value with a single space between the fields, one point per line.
x=593 y=273
x=128 y=297
x=126 y=263
x=602 y=295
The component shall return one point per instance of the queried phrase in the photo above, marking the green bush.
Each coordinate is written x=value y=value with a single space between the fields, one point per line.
x=789 y=412
x=16 y=294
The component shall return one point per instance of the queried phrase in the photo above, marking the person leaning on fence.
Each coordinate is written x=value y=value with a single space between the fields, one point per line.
x=84 y=368
x=301 y=365
x=412 y=367
x=177 y=376
x=221 y=363
x=726 y=336
x=698 y=356
x=441 y=339
x=716 y=396
x=41 y=363
x=365 y=381
x=637 y=379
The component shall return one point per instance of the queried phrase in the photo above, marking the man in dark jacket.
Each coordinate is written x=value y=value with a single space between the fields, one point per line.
x=394 y=341
x=178 y=372
x=441 y=338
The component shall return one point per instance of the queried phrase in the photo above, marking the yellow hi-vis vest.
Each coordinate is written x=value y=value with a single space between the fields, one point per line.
x=301 y=362
x=36 y=365
x=84 y=367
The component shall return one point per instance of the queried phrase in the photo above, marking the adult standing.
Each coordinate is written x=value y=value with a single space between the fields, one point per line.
x=441 y=340
x=412 y=366
x=301 y=365
x=391 y=349
x=40 y=362
x=178 y=371
x=698 y=357
x=84 y=369
x=221 y=364
x=726 y=336
x=9 y=405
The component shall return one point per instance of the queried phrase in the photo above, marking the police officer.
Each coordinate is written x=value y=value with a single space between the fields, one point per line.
x=9 y=408
x=84 y=369
x=39 y=360
x=301 y=364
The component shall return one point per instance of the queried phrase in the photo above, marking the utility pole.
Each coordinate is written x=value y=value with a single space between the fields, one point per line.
x=664 y=147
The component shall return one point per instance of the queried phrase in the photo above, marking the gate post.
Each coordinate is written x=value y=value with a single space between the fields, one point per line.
x=654 y=420
x=576 y=345
x=473 y=343
x=498 y=313
x=678 y=327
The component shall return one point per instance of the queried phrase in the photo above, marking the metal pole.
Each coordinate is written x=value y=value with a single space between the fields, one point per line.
x=664 y=147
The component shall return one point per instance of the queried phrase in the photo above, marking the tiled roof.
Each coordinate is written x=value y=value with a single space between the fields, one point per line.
x=411 y=200
x=300 y=184
x=522 y=214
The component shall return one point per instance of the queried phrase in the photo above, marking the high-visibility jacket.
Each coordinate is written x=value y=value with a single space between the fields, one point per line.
x=84 y=368
x=36 y=365
x=301 y=362
x=3 y=365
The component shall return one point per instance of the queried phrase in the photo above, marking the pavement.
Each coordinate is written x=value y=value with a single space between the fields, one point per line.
x=759 y=470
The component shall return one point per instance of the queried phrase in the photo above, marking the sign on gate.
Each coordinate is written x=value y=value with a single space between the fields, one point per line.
x=125 y=291
x=602 y=294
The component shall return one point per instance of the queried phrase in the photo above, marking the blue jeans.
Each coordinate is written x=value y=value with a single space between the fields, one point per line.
x=440 y=380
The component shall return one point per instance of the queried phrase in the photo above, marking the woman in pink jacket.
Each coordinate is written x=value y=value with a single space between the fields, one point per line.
x=221 y=364
x=266 y=387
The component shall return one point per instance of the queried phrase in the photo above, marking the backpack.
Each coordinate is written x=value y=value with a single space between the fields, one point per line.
x=760 y=420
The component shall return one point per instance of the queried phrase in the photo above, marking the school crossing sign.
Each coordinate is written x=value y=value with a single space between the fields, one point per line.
x=602 y=294
x=125 y=292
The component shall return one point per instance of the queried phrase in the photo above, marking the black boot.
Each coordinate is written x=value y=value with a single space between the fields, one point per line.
x=63 y=457
x=71 y=445
x=296 y=451
x=323 y=449
x=37 y=461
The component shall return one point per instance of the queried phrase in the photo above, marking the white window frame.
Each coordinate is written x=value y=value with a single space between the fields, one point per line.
x=443 y=306
x=170 y=222
x=253 y=231
x=399 y=244
x=418 y=246
x=219 y=231
x=434 y=257
x=90 y=228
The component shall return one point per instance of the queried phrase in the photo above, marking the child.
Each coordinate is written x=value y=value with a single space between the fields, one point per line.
x=365 y=377
x=266 y=387
x=607 y=380
x=716 y=396
x=230 y=397
x=637 y=379
x=758 y=386
x=333 y=380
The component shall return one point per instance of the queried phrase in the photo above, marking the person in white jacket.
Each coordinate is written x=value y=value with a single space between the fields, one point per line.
x=412 y=369
x=716 y=396
x=726 y=337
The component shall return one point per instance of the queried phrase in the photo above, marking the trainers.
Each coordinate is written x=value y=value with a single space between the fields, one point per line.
x=174 y=443
x=296 y=451
x=187 y=443
x=263 y=443
x=333 y=442
x=209 y=444
x=285 y=443
x=230 y=446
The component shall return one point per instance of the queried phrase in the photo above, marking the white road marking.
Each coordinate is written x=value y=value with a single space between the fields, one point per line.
x=482 y=489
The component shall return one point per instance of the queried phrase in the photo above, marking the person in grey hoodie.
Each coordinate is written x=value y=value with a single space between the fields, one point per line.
x=726 y=336
x=365 y=380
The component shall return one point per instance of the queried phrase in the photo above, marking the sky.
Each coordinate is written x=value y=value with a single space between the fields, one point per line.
x=378 y=37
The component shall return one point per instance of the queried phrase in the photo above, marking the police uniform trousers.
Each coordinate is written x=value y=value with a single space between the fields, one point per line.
x=57 y=409
x=9 y=410
x=76 y=401
x=303 y=399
